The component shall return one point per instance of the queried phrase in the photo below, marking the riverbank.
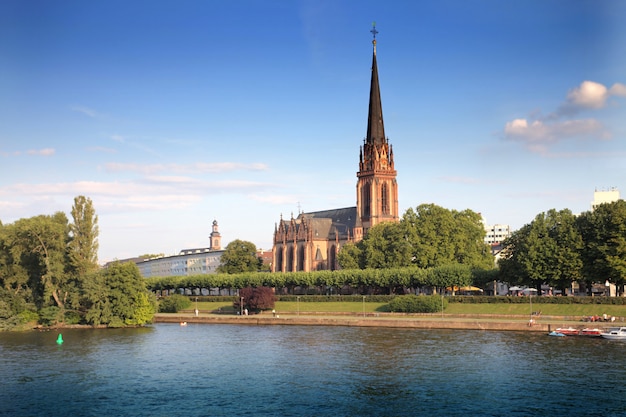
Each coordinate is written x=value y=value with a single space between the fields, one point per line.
x=453 y=322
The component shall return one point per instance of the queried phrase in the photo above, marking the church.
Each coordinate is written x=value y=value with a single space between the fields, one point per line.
x=311 y=241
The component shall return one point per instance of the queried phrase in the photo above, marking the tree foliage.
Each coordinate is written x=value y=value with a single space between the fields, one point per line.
x=174 y=303
x=48 y=269
x=604 y=250
x=119 y=296
x=83 y=244
x=427 y=237
x=239 y=256
x=547 y=250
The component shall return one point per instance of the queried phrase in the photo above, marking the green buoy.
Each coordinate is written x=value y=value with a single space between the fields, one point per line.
x=60 y=339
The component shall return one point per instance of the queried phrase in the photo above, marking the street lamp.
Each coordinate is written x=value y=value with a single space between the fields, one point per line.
x=298 y=304
x=241 y=307
x=196 y=306
x=363 y=306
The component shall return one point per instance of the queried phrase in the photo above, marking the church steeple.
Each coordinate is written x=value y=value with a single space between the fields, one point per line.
x=377 y=189
x=375 y=125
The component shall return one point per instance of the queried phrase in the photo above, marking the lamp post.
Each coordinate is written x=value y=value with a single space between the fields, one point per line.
x=298 y=304
x=241 y=307
x=196 y=306
x=607 y=284
x=442 y=304
x=363 y=306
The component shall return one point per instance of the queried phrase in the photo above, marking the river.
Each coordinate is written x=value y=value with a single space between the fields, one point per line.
x=241 y=370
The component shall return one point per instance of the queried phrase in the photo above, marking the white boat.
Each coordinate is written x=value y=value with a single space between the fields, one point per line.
x=615 y=333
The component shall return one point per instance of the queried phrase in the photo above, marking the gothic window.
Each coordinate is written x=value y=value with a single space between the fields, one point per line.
x=367 y=198
x=333 y=258
x=300 y=258
x=289 y=263
x=278 y=265
x=384 y=198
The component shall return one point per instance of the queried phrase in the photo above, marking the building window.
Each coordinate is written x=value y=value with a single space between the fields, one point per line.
x=384 y=199
x=367 y=197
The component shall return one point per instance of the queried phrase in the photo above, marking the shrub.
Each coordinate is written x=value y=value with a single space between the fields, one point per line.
x=174 y=303
x=48 y=316
x=417 y=304
x=255 y=299
x=28 y=316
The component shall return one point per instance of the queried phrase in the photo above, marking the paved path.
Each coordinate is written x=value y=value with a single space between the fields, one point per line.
x=513 y=323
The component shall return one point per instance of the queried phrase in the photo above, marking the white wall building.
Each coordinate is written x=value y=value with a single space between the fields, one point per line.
x=497 y=233
x=187 y=262
x=604 y=196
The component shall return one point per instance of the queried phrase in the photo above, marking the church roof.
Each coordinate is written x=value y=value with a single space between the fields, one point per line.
x=375 y=126
x=325 y=222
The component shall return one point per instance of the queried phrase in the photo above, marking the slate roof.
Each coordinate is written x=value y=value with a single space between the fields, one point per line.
x=325 y=222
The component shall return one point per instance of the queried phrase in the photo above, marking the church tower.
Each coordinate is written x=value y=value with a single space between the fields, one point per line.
x=215 y=238
x=376 y=188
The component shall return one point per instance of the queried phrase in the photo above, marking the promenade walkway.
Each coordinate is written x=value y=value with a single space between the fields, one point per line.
x=416 y=321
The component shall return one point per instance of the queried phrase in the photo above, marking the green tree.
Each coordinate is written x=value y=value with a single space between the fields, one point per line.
x=83 y=246
x=439 y=236
x=348 y=256
x=239 y=256
x=38 y=245
x=118 y=296
x=13 y=276
x=385 y=246
x=545 y=251
x=604 y=234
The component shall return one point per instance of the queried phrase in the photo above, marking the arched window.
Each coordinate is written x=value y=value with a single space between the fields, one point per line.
x=367 y=198
x=384 y=198
x=300 y=258
x=278 y=267
x=289 y=263
x=333 y=258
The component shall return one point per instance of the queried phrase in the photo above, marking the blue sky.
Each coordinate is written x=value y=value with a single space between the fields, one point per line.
x=171 y=114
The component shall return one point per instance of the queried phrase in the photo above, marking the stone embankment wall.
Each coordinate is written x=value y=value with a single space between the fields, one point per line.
x=422 y=322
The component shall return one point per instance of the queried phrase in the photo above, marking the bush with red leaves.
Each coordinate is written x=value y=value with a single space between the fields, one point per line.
x=255 y=299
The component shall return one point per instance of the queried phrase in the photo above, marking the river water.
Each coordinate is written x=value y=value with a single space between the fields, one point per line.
x=240 y=370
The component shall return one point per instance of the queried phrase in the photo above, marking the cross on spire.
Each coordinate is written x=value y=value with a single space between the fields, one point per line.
x=374 y=31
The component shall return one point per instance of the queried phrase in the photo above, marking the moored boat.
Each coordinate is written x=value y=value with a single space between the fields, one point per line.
x=555 y=333
x=615 y=333
x=568 y=331
x=587 y=331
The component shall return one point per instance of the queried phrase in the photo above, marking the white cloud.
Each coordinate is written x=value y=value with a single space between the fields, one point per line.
x=537 y=135
x=42 y=152
x=198 y=167
x=538 y=132
x=589 y=95
x=618 y=89
x=36 y=152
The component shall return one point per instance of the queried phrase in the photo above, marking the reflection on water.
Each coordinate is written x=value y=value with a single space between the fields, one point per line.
x=215 y=370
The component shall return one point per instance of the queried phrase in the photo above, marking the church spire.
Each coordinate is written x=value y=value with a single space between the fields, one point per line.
x=375 y=126
x=377 y=188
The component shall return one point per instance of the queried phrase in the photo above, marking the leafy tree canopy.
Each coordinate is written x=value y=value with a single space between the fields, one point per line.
x=427 y=237
x=239 y=256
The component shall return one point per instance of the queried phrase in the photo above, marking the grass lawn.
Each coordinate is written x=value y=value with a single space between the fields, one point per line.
x=452 y=308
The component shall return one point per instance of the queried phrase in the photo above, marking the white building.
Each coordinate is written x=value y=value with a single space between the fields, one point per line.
x=187 y=262
x=604 y=196
x=496 y=233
